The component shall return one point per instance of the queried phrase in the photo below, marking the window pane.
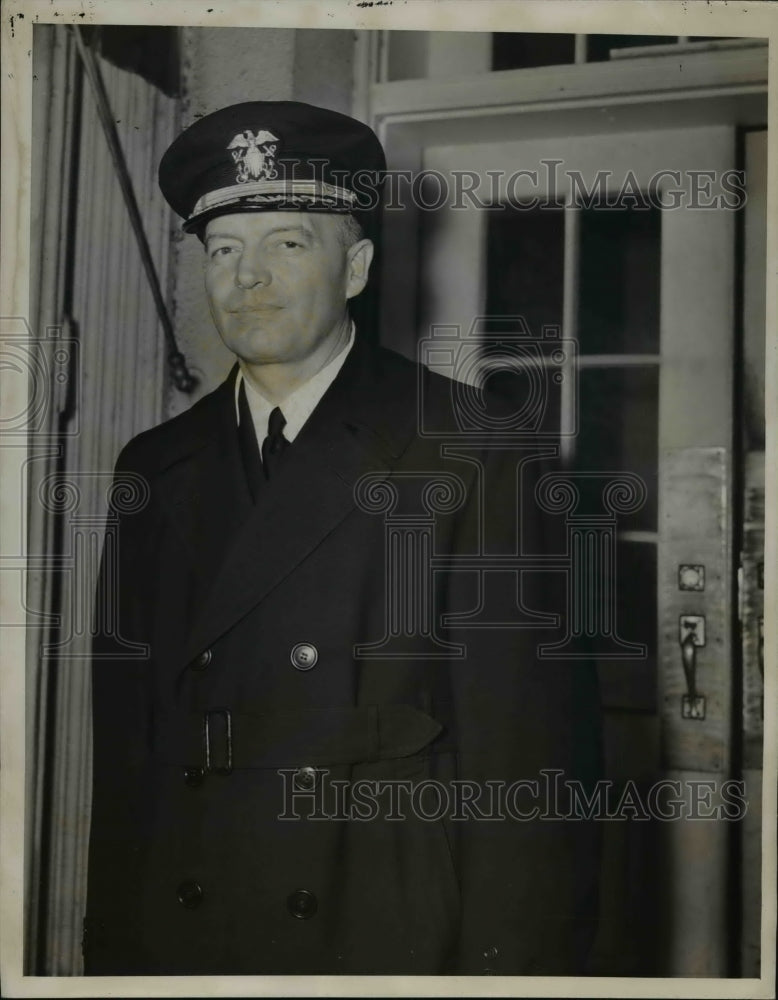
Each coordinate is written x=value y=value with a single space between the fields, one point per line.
x=525 y=265
x=522 y=49
x=524 y=282
x=632 y=684
x=618 y=433
x=619 y=281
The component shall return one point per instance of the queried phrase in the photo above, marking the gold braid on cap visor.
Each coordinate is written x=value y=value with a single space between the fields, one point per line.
x=269 y=192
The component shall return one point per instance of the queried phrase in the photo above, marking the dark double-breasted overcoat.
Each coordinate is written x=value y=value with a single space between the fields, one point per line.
x=300 y=641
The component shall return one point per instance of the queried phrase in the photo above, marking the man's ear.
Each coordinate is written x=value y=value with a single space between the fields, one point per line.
x=359 y=256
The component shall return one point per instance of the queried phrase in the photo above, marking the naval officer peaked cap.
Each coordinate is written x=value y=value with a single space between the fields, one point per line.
x=272 y=156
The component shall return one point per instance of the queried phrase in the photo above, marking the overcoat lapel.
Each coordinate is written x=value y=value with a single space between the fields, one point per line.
x=203 y=490
x=355 y=429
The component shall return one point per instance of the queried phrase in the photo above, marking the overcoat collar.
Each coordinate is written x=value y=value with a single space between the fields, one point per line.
x=363 y=423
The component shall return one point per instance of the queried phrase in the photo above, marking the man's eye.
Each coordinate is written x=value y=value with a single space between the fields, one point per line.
x=222 y=251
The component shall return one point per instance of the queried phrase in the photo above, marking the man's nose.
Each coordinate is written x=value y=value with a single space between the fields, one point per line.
x=252 y=268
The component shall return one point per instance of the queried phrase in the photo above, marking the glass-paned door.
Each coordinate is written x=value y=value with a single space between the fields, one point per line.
x=616 y=243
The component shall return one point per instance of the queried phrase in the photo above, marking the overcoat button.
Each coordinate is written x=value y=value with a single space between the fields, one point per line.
x=305 y=778
x=193 y=776
x=302 y=904
x=202 y=661
x=190 y=895
x=489 y=954
x=304 y=656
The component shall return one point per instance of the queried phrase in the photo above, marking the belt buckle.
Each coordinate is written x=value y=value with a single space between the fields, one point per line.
x=225 y=768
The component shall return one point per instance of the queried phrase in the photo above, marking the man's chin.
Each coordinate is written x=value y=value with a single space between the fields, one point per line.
x=265 y=355
x=257 y=347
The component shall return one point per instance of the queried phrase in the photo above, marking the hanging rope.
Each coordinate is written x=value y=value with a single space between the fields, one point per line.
x=179 y=373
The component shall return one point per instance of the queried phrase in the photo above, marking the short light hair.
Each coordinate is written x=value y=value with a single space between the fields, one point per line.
x=350 y=231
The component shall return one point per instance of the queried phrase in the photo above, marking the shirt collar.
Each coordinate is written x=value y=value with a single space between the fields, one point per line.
x=297 y=406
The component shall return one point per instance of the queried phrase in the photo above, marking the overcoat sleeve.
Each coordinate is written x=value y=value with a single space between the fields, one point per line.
x=121 y=726
x=529 y=725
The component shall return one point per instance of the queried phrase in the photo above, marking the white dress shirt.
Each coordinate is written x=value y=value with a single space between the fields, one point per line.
x=297 y=406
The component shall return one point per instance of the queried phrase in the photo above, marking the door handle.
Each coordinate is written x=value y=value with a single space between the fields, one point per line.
x=692 y=635
x=689 y=660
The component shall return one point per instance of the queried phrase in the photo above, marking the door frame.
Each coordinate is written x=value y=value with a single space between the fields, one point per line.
x=719 y=88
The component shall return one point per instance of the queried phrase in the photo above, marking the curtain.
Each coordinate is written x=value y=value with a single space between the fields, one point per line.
x=100 y=367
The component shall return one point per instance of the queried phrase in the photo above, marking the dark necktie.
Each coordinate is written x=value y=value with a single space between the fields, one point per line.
x=249 y=449
x=275 y=444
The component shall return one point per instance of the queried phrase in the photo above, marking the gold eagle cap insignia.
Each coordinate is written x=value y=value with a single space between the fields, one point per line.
x=254 y=155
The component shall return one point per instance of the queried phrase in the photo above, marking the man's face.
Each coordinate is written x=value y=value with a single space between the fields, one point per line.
x=278 y=282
